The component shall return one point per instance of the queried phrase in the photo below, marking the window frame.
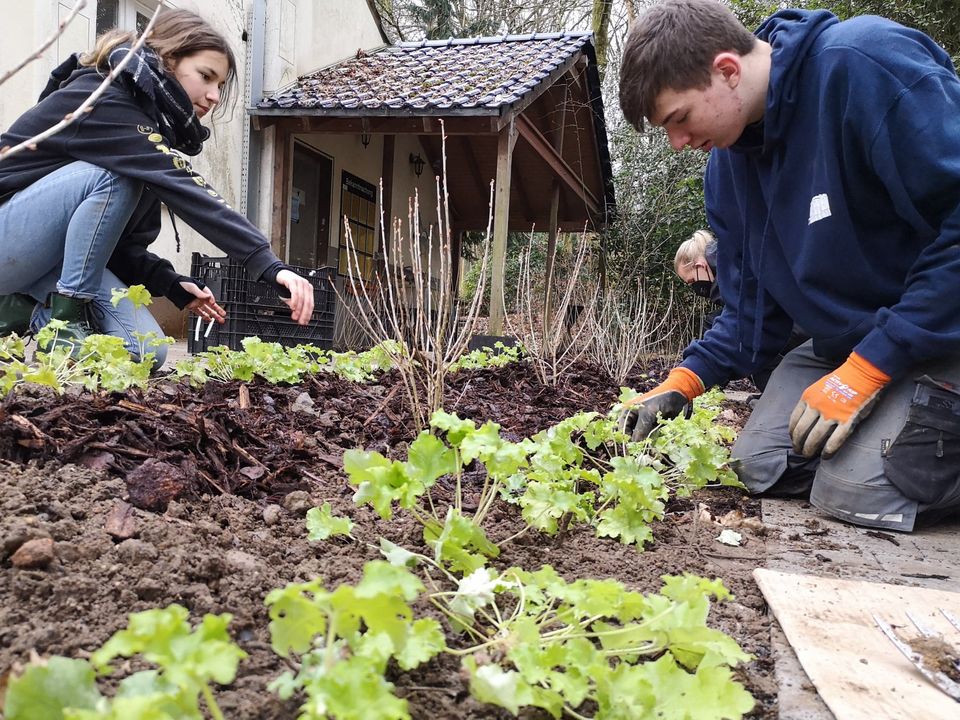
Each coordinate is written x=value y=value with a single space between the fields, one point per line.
x=127 y=11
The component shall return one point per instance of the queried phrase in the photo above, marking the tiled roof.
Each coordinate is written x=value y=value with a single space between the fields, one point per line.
x=433 y=76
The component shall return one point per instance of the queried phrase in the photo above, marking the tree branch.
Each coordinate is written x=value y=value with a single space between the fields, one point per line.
x=87 y=105
x=38 y=53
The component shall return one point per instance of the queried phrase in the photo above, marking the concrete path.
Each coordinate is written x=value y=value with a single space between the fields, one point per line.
x=804 y=541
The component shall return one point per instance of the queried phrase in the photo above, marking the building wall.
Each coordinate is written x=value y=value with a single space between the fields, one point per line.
x=34 y=23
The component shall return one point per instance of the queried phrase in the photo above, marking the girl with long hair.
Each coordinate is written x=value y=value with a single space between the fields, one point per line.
x=78 y=212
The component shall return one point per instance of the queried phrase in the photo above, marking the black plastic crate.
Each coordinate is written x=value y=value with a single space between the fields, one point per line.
x=254 y=308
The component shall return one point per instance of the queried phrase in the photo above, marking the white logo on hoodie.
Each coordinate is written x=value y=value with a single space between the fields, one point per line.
x=819 y=208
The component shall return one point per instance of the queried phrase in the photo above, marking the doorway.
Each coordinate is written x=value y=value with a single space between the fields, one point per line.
x=309 y=207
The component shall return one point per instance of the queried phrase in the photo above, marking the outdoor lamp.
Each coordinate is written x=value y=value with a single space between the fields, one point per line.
x=417 y=163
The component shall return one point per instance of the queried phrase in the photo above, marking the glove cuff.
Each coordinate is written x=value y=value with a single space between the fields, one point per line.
x=684 y=381
x=866 y=369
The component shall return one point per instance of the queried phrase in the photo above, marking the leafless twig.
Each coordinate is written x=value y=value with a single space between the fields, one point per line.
x=628 y=326
x=38 y=53
x=87 y=105
x=404 y=306
x=556 y=343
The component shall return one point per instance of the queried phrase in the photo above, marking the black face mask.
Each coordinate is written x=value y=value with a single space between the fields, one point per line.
x=701 y=288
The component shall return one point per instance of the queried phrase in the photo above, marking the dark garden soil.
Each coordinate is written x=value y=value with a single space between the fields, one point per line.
x=218 y=481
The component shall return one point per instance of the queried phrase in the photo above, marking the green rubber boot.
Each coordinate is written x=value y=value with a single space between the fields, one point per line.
x=75 y=312
x=15 y=313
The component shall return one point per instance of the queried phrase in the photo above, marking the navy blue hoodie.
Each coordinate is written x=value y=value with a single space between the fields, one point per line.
x=122 y=134
x=840 y=210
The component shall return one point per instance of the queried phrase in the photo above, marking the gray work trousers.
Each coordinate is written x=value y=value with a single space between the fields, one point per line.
x=891 y=472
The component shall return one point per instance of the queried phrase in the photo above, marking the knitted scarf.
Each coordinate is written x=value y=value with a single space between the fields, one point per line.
x=161 y=96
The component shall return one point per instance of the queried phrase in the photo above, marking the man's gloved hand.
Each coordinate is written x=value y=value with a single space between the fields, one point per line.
x=832 y=407
x=639 y=415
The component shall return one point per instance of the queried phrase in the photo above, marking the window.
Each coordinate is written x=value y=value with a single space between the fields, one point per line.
x=358 y=203
x=124 y=14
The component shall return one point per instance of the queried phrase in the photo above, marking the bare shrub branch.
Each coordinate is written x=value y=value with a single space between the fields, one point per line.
x=87 y=105
x=412 y=309
x=556 y=343
x=38 y=53
x=630 y=324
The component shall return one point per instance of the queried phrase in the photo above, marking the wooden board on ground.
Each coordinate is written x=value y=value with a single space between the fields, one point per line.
x=855 y=668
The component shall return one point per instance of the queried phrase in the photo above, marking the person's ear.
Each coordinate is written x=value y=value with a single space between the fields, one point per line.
x=729 y=66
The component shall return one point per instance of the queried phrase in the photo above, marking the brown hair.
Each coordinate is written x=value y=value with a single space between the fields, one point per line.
x=672 y=46
x=692 y=249
x=176 y=34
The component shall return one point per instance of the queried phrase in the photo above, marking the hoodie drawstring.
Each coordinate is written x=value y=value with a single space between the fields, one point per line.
x=173 y=222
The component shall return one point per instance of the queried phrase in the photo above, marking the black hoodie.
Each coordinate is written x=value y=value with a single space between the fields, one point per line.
x=123 y=134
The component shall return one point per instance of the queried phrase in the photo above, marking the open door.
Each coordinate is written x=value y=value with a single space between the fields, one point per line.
x=309 y=207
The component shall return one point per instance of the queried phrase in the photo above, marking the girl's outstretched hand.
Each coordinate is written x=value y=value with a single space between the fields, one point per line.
x=205 y=304
x=300 y=301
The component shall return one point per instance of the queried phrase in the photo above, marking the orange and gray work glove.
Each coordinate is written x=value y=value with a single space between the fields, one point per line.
x=639 y=415
x=832 y=407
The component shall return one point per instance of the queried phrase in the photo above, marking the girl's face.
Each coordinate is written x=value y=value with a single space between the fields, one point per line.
x=203 y=76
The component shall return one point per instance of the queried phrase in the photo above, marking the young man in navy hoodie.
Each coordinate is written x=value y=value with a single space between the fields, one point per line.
x=833 y=186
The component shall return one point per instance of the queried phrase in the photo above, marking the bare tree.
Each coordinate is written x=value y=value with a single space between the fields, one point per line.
x=432 y=19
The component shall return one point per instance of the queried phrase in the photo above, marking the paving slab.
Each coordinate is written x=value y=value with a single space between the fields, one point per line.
x=803 y=540
x=176 y=351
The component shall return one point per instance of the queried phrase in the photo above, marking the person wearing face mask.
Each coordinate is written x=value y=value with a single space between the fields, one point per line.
x=696 y=265
x=78 y=211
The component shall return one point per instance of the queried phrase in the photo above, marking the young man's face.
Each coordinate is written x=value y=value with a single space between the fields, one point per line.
x=701 y=118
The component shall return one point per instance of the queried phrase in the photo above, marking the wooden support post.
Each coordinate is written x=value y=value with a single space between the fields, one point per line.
x=554 y=218
x=456 y=246
x=551 y=257
x=386 y=178
x=282 y=178
x=501 y=225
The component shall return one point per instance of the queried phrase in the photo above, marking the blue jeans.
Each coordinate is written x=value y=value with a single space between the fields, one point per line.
x=57 y=235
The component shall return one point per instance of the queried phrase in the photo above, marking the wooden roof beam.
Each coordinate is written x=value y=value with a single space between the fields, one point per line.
x=529 y=132
x=377 y=124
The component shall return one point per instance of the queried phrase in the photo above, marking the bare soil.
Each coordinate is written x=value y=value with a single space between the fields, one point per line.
x=217 y=495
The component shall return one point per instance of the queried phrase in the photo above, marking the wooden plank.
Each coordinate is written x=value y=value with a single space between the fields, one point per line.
x=379 y=125
x=386 y=177
x=501 y=225
x=858 y=672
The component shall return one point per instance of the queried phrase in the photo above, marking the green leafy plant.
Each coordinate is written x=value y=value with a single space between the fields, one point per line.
x=499 y=355
x=524 y=639
x=102 y=363
x=278 y=364
x=322 y=524
x=187 y=662
x=346 y=637
x=555 y=645
x=580 y=470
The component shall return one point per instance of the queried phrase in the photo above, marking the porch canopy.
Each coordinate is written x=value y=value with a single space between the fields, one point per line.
x=541 y=89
